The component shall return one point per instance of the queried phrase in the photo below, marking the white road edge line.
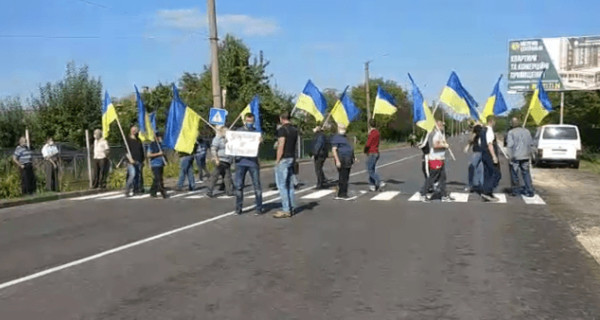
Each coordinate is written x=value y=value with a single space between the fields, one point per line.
x=158 y=236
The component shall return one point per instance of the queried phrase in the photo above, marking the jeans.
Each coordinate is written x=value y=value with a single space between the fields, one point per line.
x=51 y=176
x=201 y=163
x=27 y=179
x=283 y=177
x=134 y=173
x=476 y=172
x=439 y=176
x=240 y=181
x=344 y=177
x=101 y=167
x=491 y=175
x=523 y=166
x=186 y=166
x=223 y=169
x=157 y=182
x=319 y=162
x=371 y=166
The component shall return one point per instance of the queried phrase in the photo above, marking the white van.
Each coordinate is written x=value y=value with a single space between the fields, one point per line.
x=557 y=143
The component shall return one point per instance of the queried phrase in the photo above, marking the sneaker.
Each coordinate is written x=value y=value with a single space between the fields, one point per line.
x=529 y=195
x=447 y=199
x=238 y=211
x=200 y=181
x=424 y=199
x=282 y=214
x=372 y=188
x=340 y=197
x=128 y=193
x=210 y=195
x=259 y=212
x=381 y=185
x=153 y=195
x=489 y=198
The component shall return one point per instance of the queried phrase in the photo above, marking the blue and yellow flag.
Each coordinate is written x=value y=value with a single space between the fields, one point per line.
x=384 y=103
x=182 y=126
x=457 y=102
x=344 y=111
x=254 y=108
x=495 y=104
x=312 y=101
x=422 y=115
x=109 y=114
x=152 y=117
x=540 y=104
x=146 y=130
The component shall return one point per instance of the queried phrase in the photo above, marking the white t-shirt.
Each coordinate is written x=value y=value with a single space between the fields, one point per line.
x=49 y=151
x=440 y=154
x=489 y=135
x=100 y=148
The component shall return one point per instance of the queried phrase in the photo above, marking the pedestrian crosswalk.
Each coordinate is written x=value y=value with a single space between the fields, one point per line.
x=327 y=194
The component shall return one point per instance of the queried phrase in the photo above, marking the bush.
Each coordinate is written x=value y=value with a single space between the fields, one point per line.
x=116 y=178
x=10 y=185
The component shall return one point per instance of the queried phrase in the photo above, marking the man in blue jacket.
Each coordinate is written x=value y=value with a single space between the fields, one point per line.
x=244 y=165
x=320 y=151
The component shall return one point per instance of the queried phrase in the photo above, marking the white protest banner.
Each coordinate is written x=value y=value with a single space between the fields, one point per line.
x=242 y=143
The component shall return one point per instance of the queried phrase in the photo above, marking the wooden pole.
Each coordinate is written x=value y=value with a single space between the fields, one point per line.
x=236 y=120
x=214 y=54
x=124 y=138
x=27 y=138
x=208 y=123
x=368 y=98
x=89 y=160
x=562 y=105
x=526 y=117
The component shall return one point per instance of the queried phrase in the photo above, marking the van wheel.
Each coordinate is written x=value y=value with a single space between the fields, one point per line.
x=575 y=164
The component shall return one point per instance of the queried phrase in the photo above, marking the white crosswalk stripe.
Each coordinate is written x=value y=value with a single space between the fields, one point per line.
x=501 y=197
x=536 y=199
x=386 y=196
x=318 y=194
x=93 y=196
x=122 y=195
x=415 y=197
x=459 y=196
x=185 y=194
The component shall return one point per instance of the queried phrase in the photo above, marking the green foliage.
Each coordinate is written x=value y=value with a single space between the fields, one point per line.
x=10 y=181
x=68 y=107
x=13 y=122
x=116 y=179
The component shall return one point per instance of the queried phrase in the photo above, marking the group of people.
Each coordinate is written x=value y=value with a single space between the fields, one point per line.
x=484 y=172
x=23 y=159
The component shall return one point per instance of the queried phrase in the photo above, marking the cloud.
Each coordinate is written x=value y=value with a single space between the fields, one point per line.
x=193 y=19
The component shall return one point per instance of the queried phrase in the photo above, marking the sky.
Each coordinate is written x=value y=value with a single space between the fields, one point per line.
x=146 y=42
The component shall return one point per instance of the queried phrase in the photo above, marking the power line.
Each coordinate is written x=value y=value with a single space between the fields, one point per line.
x=94 y=4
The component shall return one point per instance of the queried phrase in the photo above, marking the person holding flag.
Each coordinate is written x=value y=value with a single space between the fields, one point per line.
x=249 y=164
x=489 y=156
x=385 y=105
x=343 y=112
x=312 y=101
x=155 y=154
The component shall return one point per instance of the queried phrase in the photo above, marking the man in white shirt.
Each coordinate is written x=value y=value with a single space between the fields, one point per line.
x=50 y=154
x=489 y=156
x=437 y=168
x=101 y=150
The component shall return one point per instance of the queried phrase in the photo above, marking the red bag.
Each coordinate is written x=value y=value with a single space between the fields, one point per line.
x=435 y=164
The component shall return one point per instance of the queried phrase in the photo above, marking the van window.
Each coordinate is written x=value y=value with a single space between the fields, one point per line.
x=560 y=133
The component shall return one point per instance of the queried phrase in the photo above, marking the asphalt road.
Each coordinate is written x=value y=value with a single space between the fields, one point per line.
x=361 y=259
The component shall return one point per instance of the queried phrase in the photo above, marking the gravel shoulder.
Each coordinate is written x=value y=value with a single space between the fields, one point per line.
x=574 y=195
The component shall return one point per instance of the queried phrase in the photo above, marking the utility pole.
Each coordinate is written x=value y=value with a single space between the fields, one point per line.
x=368 y=99
x=214 y=54
x=562 y=105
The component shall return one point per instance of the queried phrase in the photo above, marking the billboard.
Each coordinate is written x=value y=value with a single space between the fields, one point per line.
x=571 y=63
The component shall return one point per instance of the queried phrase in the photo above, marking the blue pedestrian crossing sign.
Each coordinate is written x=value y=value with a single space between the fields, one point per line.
x=217 y=116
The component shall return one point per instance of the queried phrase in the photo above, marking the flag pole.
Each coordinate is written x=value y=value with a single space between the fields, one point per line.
x=236 y=120
x=208 y=123
x=526 y=117
x=124 y=138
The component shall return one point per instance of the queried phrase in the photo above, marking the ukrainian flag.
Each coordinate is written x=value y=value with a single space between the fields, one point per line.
x=457 y=102
x=146 y=129
x=495 y=104
x=422 y=116
x=344 y=111
x=152 y=117
x=540 y=104
x=254 y=108
x=109 y=114
x=312 y=101
x=384 y=103
x=182 y=126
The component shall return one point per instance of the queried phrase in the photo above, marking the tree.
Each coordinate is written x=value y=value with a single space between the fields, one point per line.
x=68 y=107
x=13 y=122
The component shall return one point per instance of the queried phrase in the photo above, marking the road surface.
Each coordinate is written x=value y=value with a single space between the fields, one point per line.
x=380 y=256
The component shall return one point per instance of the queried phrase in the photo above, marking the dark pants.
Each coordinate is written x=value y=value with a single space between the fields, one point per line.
x=51 y=176
x=240 y=181
x=319 y=162
x=436 y=176
x=344 y=177
x=27 y=179
x=223 y=169
x=157 y=182
x=523 y=166
x=201 y=163
x=491 y=175
x=100 y=173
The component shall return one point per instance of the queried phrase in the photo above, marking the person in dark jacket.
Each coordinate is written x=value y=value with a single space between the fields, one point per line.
x=136 y=163
x=343 y=153
x=247 y=165
x=320 y=152
x=489 y=156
